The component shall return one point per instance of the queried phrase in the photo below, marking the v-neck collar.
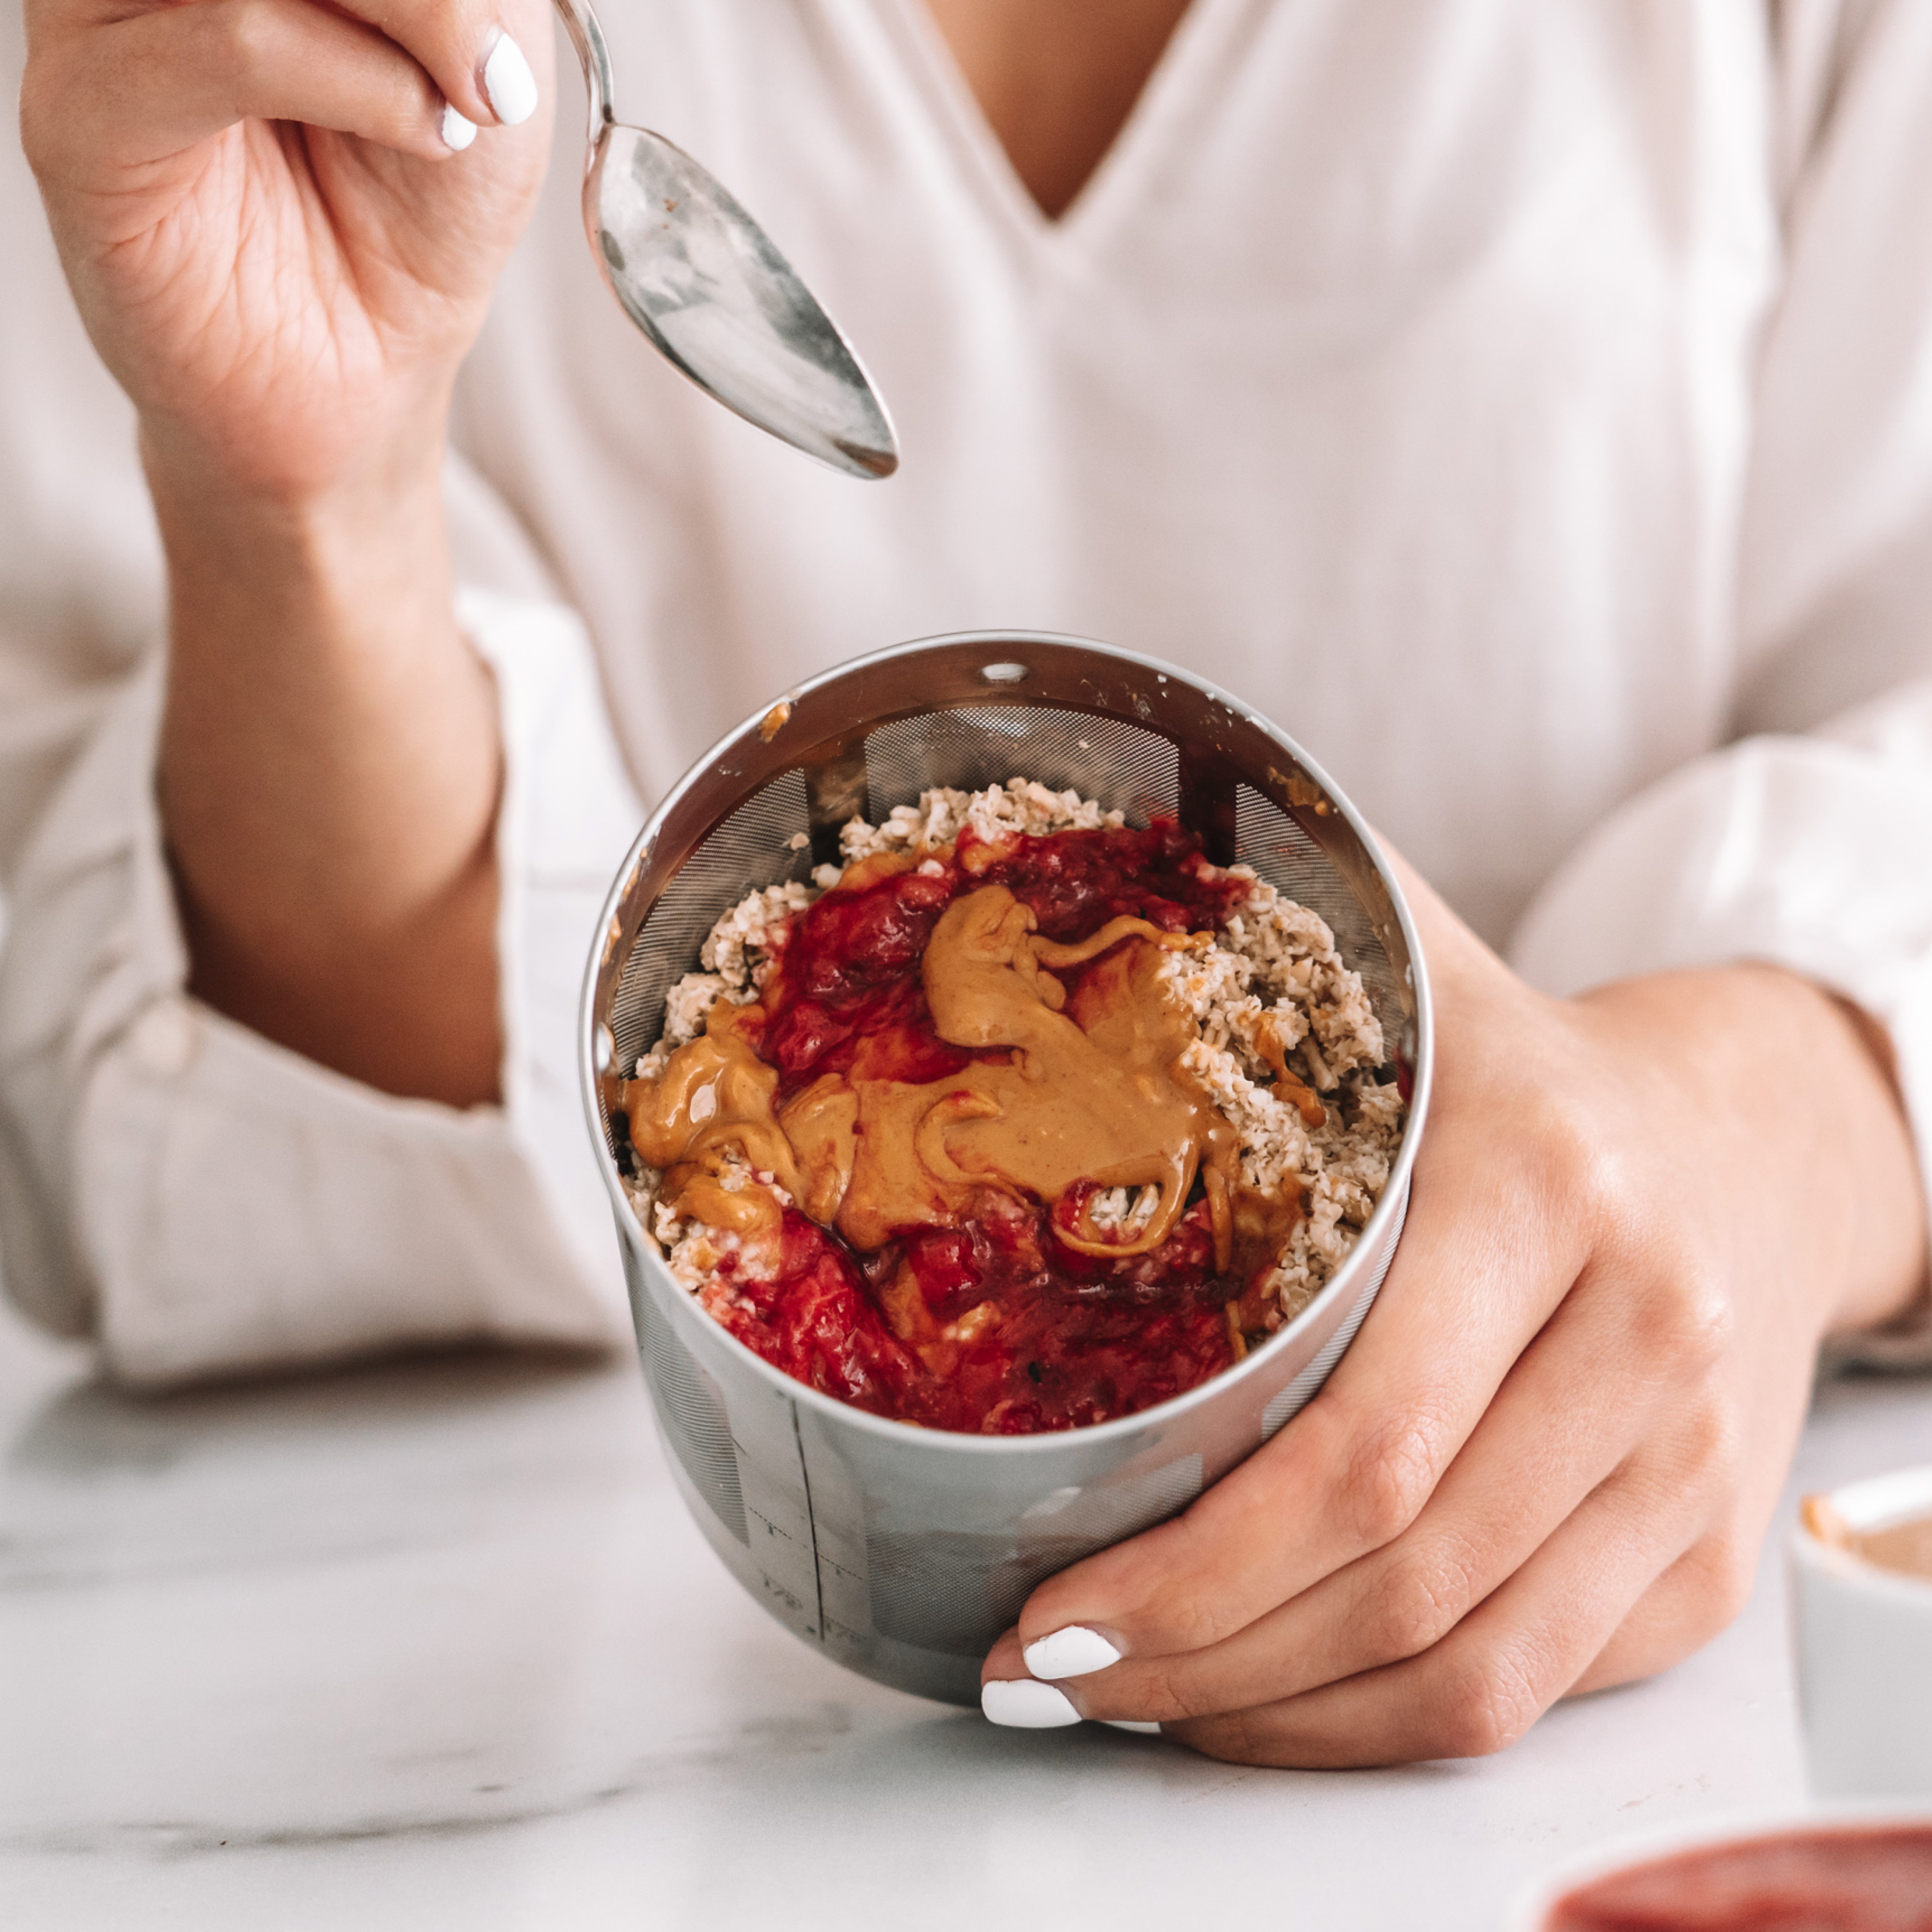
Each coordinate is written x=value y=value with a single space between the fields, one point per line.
x=1136 y=147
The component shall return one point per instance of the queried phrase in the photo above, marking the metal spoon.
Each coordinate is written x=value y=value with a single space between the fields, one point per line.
x=703 y=280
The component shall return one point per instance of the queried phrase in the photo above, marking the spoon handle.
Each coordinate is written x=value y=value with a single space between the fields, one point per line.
x=594 y=57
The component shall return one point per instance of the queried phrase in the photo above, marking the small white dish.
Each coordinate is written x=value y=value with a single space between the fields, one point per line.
x=1531 y=1908
x=1864 y=1639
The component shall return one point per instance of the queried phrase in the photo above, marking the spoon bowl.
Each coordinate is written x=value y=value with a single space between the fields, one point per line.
x=711 y=291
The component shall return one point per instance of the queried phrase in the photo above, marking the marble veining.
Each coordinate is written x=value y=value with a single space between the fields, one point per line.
x=435 y=1643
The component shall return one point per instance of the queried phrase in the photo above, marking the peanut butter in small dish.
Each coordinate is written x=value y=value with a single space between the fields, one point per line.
x=1903 y=1547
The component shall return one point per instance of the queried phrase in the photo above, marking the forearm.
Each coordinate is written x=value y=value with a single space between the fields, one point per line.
x=329 y=772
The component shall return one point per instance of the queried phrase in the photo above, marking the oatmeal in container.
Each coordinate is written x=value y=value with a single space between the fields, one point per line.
x=1007 y=1057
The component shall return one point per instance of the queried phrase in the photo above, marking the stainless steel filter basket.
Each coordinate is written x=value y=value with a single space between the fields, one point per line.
x=904 y=1553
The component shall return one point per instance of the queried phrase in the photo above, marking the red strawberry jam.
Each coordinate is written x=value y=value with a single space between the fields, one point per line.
x=989 y=1323
x=1870 y=1879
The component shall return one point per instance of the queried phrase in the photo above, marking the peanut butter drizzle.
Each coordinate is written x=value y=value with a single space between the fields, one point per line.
x=1094 y=1095
x=1905 y=1547
x=1288 y=1086
x=1091 y=1090
x=715 y=1094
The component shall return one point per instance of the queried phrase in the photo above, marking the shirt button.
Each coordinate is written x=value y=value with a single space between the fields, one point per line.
x=165 y=1037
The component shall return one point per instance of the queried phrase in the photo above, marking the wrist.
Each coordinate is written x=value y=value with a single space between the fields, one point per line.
x=371 y=517
x=1856 y=1170
x=1858 y=1164
x=333 y=595
x=316 y=666
x=1802 y=1144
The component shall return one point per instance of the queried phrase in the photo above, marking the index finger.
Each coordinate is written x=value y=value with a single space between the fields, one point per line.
x=466 y=47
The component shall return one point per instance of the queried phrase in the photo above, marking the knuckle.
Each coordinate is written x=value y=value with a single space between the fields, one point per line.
x=1197 y=1621
x=1685 y=1321
x=1723 y=1574
x=1705 y=1322
x=1574 y=1160
x=1419 y=1602
x=1179 y=1606
x=61 y=87
x=1234 y=1738
x=1567 y=1176
x=1166 y=1695
x=1485 y=1707
x=40 y=122
x=1711 y=1452
x=1391 y=1476
x=1600 y=1189
x=243 y=35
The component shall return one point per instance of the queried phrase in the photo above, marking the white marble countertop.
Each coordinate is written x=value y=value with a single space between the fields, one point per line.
x=435 y=1644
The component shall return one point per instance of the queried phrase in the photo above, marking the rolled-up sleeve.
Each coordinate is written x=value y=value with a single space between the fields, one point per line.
x=201 y=1201
x=1813 y=853
x=1807 y=842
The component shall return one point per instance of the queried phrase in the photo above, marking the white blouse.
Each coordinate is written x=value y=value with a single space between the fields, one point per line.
x=1526 y=403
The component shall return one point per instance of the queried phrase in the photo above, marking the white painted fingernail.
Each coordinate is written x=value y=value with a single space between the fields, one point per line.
x=1071 y=1652
x=1025 y=1705
x=507 y=79
x=458 y=133
x=1145 y=1726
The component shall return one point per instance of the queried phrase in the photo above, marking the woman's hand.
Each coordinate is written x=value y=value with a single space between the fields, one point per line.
x=274 y=247
x=282 y=220
x=1547 y=1462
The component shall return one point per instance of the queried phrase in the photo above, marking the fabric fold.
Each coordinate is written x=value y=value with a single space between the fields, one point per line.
x=1812 y=854
x=205 y=1202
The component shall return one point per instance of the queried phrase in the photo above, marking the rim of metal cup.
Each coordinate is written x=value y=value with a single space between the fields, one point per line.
x=1005 y=683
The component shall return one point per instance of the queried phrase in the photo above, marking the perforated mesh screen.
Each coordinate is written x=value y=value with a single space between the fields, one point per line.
x=1127 y=767
x=943 y=1592
x=750 y=849
x=1268 y=839
x=695 y=1423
